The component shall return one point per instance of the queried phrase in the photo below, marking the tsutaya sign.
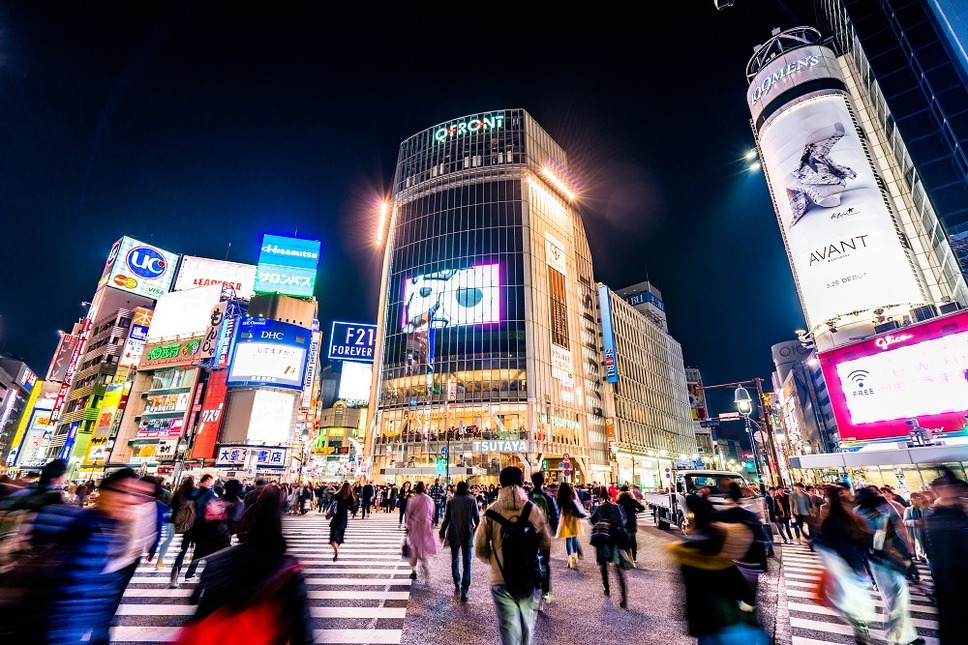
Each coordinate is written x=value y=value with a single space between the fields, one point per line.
x=469 y=126
x=499 y=446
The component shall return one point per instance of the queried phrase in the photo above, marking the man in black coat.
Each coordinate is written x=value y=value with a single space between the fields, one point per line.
x=946 y=530
x=366 y=498
x=460 y=522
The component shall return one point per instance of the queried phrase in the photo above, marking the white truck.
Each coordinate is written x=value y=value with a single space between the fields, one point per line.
x=669 y=509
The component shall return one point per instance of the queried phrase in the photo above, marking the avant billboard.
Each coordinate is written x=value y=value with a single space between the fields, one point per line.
x=915 y=372
x=201 y=272
x=844 y=246
x=139 y=268
x=269 y=352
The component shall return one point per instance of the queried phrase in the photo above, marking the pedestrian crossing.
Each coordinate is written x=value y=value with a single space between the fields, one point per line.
x=813 y=624
x=359 y=599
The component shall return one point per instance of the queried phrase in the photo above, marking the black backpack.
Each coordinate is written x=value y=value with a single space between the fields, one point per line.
x=522 y=568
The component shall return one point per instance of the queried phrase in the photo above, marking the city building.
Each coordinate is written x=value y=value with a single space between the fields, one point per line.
x=703 y=427
x=487 y=345
x=802 y=400
x=866 y=249
x=648 y=415
x=16 y=385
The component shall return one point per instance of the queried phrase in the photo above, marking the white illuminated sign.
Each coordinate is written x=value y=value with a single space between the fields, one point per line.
x=269 y=363
x=354 y=381
x=922 y=379
x=201 y=272
x=271 y=417
x=470 y=126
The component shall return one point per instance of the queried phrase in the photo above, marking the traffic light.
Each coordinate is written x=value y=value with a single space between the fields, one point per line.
x=441 y=465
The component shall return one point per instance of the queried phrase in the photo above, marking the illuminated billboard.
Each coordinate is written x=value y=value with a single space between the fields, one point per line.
x=844 y=246
x=57 y=370
x=201 y=272
x=268 y=352
x=452 y=298
x=134 y=346
x=354 y=382
x=287 y=265
x=914 y=372
x=139 y=268
x=352 y=342
x=271 y=419
x=184 y=313
x=608 y=335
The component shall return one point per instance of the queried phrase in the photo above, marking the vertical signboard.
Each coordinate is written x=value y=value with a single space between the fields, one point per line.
x=72 y=366
x=62 y=358
x=134 y=346
x=561 y=359
x=608 y=334
x=311 y=362
x=210 y=419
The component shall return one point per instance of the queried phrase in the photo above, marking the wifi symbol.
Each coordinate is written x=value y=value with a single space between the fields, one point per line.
x=859 y=377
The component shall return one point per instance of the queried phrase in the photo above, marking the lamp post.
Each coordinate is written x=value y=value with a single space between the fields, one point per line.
x=744 y=405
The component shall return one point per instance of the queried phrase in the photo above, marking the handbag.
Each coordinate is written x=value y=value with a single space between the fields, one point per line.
x=405 y=548
x=601 y=533
x=262 y=619
x=331 y=511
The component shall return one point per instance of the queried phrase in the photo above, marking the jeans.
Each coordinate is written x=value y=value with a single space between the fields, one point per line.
x=180 y=558
x=571 y=545
x=768 y=536
x=437 y=506
x=800 y=526
x=783 y=524
x=167 y=533
x=365 y=504
x=456 y=551
x=546 y=574
x=515 y=617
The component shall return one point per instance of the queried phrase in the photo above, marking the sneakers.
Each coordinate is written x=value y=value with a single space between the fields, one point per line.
x=624 y=604
x=173 y=585
x=160 y=565
x=413 y=574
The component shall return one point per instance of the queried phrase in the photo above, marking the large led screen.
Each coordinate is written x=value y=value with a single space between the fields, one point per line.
x=354 y=381
x=452 y=298
x=846 y=253
x=184 y=313
x=916 y=372
x=139 y=268
x=201 y=272
x=287 y=265
x=268 y=352
x=271 y=418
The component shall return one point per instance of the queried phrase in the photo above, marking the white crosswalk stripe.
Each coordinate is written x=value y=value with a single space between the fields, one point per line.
x=359 y=599
x=813 y=624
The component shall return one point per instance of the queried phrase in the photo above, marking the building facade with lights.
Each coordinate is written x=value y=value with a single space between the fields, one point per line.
x=649 y=419
x=487 y=349
x=866 y=247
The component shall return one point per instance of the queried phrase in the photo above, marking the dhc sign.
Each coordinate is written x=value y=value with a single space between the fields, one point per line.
x=472 y=126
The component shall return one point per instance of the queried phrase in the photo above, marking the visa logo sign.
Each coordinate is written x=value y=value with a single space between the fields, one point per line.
x=146 y=262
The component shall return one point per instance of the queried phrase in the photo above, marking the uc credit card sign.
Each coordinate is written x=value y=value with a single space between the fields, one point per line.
x=269 y=352
x=352 y=342
x=139 y=268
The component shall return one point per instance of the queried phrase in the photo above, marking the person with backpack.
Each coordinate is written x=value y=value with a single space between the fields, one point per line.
x=754 y=562
x=166 y=530
x=547 y=504
x=338 y=515
x=510 y=538
x=190 y=521
x=632 y=507
x=610 y=538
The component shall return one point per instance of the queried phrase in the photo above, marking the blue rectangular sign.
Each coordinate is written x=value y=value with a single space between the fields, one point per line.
x=290 y=281
x=289 y=252
x=269 y=352
x=352 y=342
x=608 y=335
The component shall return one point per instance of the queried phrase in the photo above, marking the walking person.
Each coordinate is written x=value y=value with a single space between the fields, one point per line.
x=255 y=576
x=889 y=561
x=572 y=512
x=437 y=493
x=461 y=518
x=945 y=527
x=913 y=519
x=515 y=610
x=188 y=508
x=419 y=524
x=631 y=507
x=801 y=506
x=610 y=542
x=166 y=529
x=338 y=514
x=843 y=547
x=752 y=563
x=402 y=500
x=781 y=516
x=549 y=507
x=366 y=499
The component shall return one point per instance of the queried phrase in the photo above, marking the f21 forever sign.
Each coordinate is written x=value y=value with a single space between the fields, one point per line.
x=352 y=342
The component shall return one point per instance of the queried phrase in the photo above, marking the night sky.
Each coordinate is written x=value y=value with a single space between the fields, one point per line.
x=198 y=127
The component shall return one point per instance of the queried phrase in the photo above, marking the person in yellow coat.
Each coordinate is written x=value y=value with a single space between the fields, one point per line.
x=570 y=525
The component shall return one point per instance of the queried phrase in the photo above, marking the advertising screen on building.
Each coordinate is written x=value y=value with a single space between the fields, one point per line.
x=354 y=382
x=134 y=346
x=452 y=298
x=201 y=272
x=271 y=419
x=844 y=246
x=608 y=335
x=58 y=366
x=184 y=313
x=139 y=268
x=268 y=352
x=352 y=342
x=287 y=265
x=915 y=372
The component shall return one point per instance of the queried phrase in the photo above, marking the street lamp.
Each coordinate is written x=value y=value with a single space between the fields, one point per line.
x=744 y=404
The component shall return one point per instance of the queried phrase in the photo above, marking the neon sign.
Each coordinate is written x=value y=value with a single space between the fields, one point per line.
x=473 y=126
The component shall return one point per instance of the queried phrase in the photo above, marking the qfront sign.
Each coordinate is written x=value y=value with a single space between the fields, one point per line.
x=472 y=125
x=499 y=445
x=352 y=342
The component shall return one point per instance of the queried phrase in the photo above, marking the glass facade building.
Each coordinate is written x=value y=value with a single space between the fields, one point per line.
x=487 y=352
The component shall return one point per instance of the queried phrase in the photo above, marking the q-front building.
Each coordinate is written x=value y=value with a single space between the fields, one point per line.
x=487 y=353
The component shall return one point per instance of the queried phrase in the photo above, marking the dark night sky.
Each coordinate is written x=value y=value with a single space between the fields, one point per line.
x=195 y=125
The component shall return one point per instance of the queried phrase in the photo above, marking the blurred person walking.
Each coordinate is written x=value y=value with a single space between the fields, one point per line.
x=402 y=498
x=889 y=561
x=461 y=518
x=338 y=514
x=512 y=508
x=719 y=603
x=366 y=499
x=166 y=530
x=569 y=525
x=842 y=545
x=801 y=506
x=610 y=542
x=438 y=493
x=913 y=519
x=631 y=507
x=188 y=508
x=419 y=524
x=253 y=590
x=946 y=533
x=753 y=562
x=781 y=509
